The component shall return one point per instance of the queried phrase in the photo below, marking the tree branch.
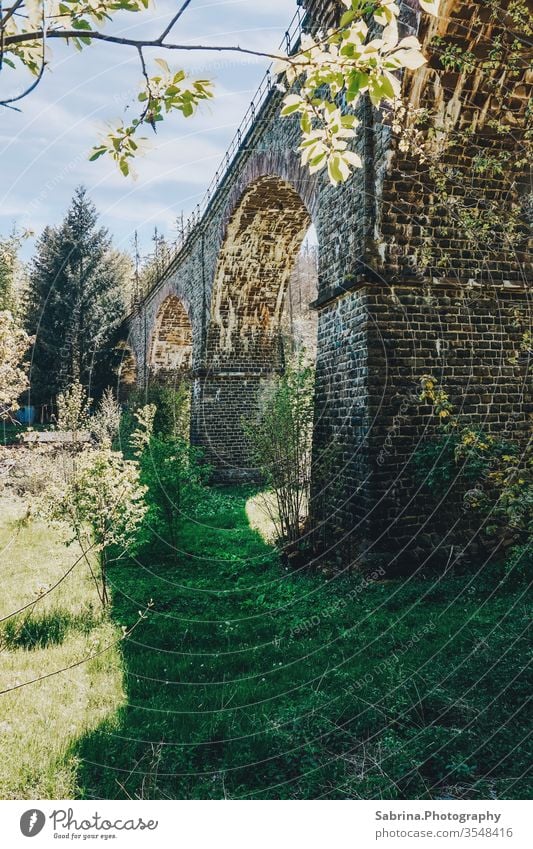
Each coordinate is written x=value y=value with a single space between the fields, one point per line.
x=174 y=20
x=10 y=12
x=132 y=42
x=148 y=88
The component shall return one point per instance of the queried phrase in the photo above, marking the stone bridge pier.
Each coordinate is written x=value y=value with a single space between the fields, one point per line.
x=406 y=287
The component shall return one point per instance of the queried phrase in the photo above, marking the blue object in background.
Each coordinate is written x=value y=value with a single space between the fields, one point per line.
x=26 y=415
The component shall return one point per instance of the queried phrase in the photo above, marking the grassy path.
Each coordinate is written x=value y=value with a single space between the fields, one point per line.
x=248 y=681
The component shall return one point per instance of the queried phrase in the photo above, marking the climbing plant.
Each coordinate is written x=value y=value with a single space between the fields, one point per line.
x=475 y=160
x=468 y=470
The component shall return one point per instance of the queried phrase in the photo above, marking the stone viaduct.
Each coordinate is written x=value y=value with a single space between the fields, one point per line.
x=414 y=278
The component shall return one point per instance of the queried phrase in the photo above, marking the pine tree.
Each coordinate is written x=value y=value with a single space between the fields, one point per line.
x=75 y=304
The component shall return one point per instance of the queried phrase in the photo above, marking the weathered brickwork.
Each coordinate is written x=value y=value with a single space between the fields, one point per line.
x=171 y=348
x=450 y=214
x=407 y=287
x=370 y=383
x=127 y=377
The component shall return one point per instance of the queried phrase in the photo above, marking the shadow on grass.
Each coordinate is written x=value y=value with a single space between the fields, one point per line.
x=247 y=680
x=155 y=745
x=37 y=631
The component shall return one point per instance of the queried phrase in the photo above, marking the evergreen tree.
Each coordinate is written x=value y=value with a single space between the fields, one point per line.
x=75 y=304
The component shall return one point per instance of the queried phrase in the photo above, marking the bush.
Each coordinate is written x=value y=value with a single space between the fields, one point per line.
x=103 y=501
x=173 y=408
x=14 y=344
x=174 y=476
x=281 y=438
x=73 y=408
x=105 y=423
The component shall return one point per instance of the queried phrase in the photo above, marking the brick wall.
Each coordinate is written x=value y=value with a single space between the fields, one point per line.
x=404 y=289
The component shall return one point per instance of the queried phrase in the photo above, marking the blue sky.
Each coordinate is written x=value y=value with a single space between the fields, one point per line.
x=44 y=148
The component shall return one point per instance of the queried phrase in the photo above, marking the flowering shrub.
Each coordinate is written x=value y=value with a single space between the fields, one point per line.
x=73 y=407
x=14 y=343
x=102 y=499
x=105 y=424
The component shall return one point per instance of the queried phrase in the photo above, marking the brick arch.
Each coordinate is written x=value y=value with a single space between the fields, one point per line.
x=389 y=308
x=171 y=342
x=128 y=372
x=263 y=234
x=284 y=165
x=264 y=227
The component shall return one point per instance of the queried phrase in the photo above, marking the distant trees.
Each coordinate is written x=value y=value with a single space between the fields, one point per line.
x=12 y=272
x=75 y=304
x=14 y=343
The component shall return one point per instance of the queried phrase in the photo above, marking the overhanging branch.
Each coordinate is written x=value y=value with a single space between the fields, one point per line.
x=94 y=35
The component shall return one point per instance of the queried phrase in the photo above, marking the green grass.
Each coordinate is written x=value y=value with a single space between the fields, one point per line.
x=250 y=681
x=41 y=723
x=247 y=680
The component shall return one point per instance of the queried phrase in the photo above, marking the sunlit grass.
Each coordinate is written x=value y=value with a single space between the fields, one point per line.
x=261 y=512
x=41 y=722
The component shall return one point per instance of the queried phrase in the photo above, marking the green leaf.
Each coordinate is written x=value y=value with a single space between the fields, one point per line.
x=387 y=89
x=347 y=18
x=97 y=153
x=163 y=64
x=306 y=123
x=80 y=23
x=334 y=169
x=291 y=104
x=316 y=160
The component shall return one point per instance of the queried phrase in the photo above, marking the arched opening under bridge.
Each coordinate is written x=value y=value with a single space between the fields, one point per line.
x=127 y=373
x=171 y=346
x=260 y=316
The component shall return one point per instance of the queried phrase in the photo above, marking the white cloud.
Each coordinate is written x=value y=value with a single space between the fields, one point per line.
x=44 y=149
